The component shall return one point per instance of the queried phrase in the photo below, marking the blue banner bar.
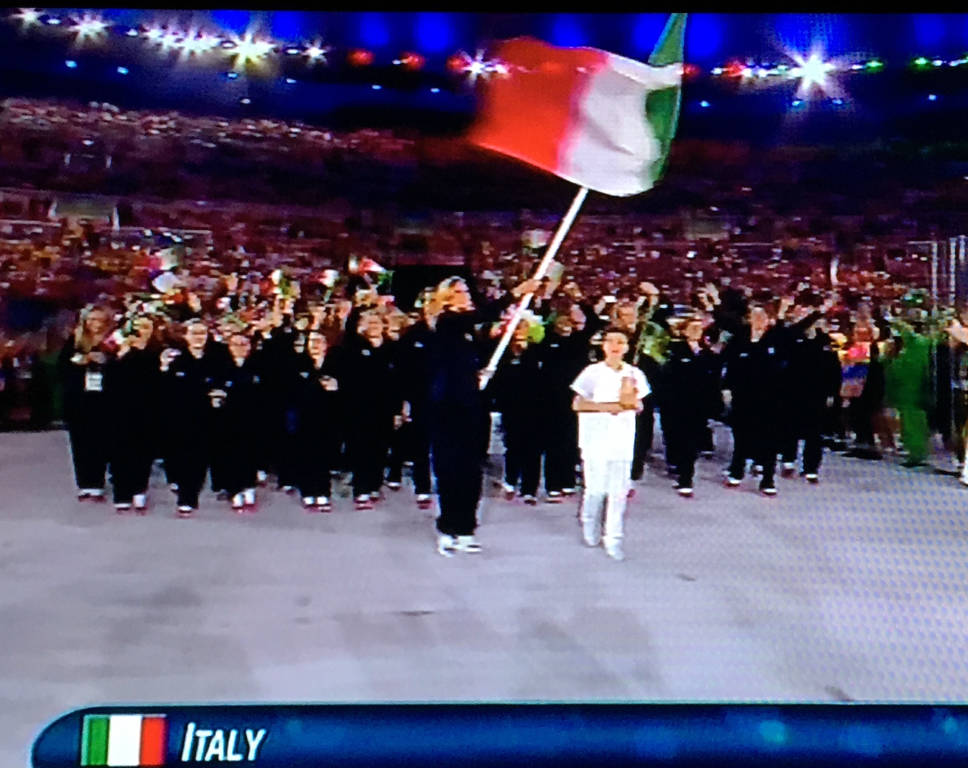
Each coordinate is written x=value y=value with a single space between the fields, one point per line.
x=539 y=735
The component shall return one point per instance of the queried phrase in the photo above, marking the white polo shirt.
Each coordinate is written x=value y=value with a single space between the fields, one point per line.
x=607 y=436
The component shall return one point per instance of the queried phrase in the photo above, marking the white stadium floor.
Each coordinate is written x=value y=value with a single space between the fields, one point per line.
x=853 y=590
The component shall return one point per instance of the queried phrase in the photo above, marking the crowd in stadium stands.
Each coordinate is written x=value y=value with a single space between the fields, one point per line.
x=733 y=260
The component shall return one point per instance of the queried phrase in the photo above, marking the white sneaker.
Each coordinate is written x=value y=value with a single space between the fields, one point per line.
x=185 y=511
x=811 y=478
x=445 y=545
x=423 y=498
x=568 y=491
x=248 y=497
x=322 y=503
x=687 y=492
x=467 y=544
x=393 y=486
x=554 y=497
x=260 y=476
x=238 y=501
x=530 y=500
x=122 y=507
x=140 y=500
x=308 y=501
x=614 y=551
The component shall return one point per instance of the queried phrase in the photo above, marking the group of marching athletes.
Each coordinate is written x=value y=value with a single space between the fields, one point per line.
x=289 y=398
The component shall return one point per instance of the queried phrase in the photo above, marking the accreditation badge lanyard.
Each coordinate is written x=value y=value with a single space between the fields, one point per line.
x=93 y=380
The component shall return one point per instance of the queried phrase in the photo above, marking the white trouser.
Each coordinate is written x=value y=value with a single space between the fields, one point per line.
x=606 y=483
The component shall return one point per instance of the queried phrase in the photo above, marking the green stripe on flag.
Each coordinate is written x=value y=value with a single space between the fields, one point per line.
x=94 y=740
x=662 y=107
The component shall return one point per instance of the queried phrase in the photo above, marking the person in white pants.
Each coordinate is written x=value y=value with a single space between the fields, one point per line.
x=608 y=395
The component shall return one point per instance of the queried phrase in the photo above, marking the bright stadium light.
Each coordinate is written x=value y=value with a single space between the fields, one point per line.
x=481 y=67
x=89 y=27
x=28 y=17
x=247 y=50
x=814 y=72
x=170 y=40
x=316 y=52
x=198 y=43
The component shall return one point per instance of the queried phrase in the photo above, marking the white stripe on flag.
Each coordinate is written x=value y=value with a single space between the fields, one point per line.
x=124 y=740
x=613 y=146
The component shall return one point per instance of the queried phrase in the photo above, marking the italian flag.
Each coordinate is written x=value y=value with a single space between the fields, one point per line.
x=597 y=119
x=123 y=740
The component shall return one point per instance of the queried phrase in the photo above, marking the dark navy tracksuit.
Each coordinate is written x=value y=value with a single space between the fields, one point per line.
x=187 y=393
x=814 y=376
x=753 y=375
x=563 y=358
x=372 y=400
x=86 y=413
x=690 y=382
x=233 y=424
x=519 y=393
x=132 y=385
x=414 y=349
x=459 y=421
x=319 y=423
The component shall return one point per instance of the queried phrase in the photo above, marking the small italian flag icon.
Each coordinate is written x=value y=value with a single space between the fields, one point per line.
x=123 y=740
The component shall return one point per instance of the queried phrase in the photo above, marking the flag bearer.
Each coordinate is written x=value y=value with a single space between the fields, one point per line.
x=458 y=416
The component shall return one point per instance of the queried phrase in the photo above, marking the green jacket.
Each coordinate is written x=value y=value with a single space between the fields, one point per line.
x=908 y=376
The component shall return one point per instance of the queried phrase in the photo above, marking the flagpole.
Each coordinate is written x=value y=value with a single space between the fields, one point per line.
x=555 y=244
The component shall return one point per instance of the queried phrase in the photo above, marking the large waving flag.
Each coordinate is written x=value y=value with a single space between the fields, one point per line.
x=597 y=119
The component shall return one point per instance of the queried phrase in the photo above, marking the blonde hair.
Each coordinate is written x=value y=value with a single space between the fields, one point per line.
x=445 y=289
x=83 y=340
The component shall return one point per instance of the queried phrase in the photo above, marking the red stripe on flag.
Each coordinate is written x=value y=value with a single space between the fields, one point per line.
x=528 y=114
x=153 y=733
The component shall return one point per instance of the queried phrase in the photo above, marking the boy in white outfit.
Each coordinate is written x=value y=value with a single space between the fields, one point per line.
x=607 y=397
